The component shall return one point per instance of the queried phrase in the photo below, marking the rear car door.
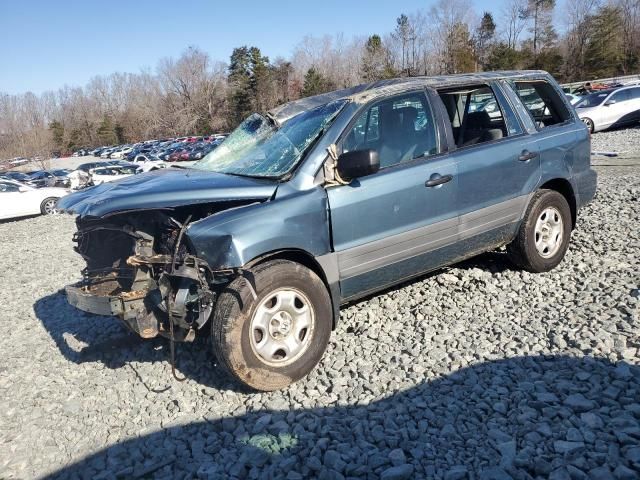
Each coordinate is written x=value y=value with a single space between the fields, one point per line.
x=618 y=109
x=498 y=164
x=392 y=224
x=635 y=100
x=558 y=132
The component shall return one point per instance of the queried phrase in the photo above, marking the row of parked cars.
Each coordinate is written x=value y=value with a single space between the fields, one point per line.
x=167 y=150
x=33 y=193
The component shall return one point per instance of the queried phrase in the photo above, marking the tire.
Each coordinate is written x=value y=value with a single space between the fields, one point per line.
x=48 y=205
x=246 y=332
x=543 y=236
x=589 y=123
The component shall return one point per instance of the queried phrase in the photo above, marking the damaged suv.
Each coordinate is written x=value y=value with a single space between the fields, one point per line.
x=327 y=199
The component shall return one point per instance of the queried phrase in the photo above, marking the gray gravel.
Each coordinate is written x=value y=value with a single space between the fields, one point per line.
x=478 y=372
x=625 y=142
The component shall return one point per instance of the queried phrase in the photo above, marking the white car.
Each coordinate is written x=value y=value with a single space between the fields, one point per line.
x=109 y=174
x=120 y=153
x=610 y=108
x=19 y=200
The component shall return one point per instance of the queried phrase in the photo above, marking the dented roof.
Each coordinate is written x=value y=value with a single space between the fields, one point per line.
x=365 y=91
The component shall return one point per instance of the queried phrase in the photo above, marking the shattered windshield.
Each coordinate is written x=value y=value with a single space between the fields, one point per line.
x=259 y=148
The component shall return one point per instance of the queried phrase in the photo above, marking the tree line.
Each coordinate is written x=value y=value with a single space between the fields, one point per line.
x=195 y=94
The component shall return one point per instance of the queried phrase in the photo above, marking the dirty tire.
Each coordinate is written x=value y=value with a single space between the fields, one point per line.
x=522 y=250
x=48 y=205
x=232 y=320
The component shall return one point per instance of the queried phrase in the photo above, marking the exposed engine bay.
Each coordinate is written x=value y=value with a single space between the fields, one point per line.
x=141 y=268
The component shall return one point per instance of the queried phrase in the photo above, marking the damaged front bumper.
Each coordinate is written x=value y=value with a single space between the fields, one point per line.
x=134 y=308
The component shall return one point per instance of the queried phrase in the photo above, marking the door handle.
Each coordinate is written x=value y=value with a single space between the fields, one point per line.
x=526 y=155
x=436 y=179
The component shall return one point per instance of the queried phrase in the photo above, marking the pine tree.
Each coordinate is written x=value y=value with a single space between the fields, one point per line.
x=240 y=97
x=503 y=57
x=605 y=49
x=539 y=13
x=259 y=80
x=459 y=56
x=484 y=35
x=106 y=131
x=57 y=133
x=315 y=83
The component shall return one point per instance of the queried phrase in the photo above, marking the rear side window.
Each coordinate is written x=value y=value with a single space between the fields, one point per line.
x=635 y=93
x=476 y=115
x=543 y=102
x=621 y=96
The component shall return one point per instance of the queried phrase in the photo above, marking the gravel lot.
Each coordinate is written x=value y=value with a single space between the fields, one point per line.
x=624 y=142
x=477 y=372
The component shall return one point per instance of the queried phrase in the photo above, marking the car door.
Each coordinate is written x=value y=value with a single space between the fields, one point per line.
x=498 y=165
x=394 y=224
x=634 y=93
x=11 y=202
x=617 y=109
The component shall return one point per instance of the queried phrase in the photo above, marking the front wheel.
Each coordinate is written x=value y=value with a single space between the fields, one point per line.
x=589 y=123
x=48 y=206
x=543 y=236
x=277 y=337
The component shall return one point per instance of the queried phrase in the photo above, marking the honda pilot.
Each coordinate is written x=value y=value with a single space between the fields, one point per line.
x=327 y=199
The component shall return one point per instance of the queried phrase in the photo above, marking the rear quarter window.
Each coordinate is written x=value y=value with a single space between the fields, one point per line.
x=543 y=102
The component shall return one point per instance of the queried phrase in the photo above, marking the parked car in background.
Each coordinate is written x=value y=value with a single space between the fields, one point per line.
x=110 y=173
x=610 y=108
x=86 y=167
x=328 y=199
x=17 y=176
x=41 y=179
x=120 y=152
x=62 y=176
x=19 y=200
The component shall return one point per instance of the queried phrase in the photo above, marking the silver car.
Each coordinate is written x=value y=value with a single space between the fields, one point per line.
x=610 y=108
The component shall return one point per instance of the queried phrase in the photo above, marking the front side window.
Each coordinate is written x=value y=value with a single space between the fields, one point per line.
x=400 y=129
x=543 y=102
x=8 y=187
x=260 y=148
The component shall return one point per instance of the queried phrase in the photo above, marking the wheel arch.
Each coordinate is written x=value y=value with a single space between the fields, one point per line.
x=309 y=261
x=564 y=187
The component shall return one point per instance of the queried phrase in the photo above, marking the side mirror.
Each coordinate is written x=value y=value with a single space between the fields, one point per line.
x=611 y=101
x=358 y=163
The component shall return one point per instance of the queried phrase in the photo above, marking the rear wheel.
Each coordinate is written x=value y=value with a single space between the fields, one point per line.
x=48 y=205
x=277 y=337
x=543 y=237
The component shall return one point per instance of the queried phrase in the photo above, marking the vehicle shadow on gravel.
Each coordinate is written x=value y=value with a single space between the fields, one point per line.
x=522 y=418
x=82 y=337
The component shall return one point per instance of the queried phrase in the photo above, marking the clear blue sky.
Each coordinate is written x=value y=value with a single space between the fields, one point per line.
x=47 y=44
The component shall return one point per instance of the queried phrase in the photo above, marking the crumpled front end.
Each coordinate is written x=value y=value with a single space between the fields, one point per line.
x=140 y=267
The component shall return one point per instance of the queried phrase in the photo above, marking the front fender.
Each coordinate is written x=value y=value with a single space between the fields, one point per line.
x=231 y=238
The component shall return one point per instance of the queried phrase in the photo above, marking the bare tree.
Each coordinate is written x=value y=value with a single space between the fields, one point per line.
x=511 y=17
